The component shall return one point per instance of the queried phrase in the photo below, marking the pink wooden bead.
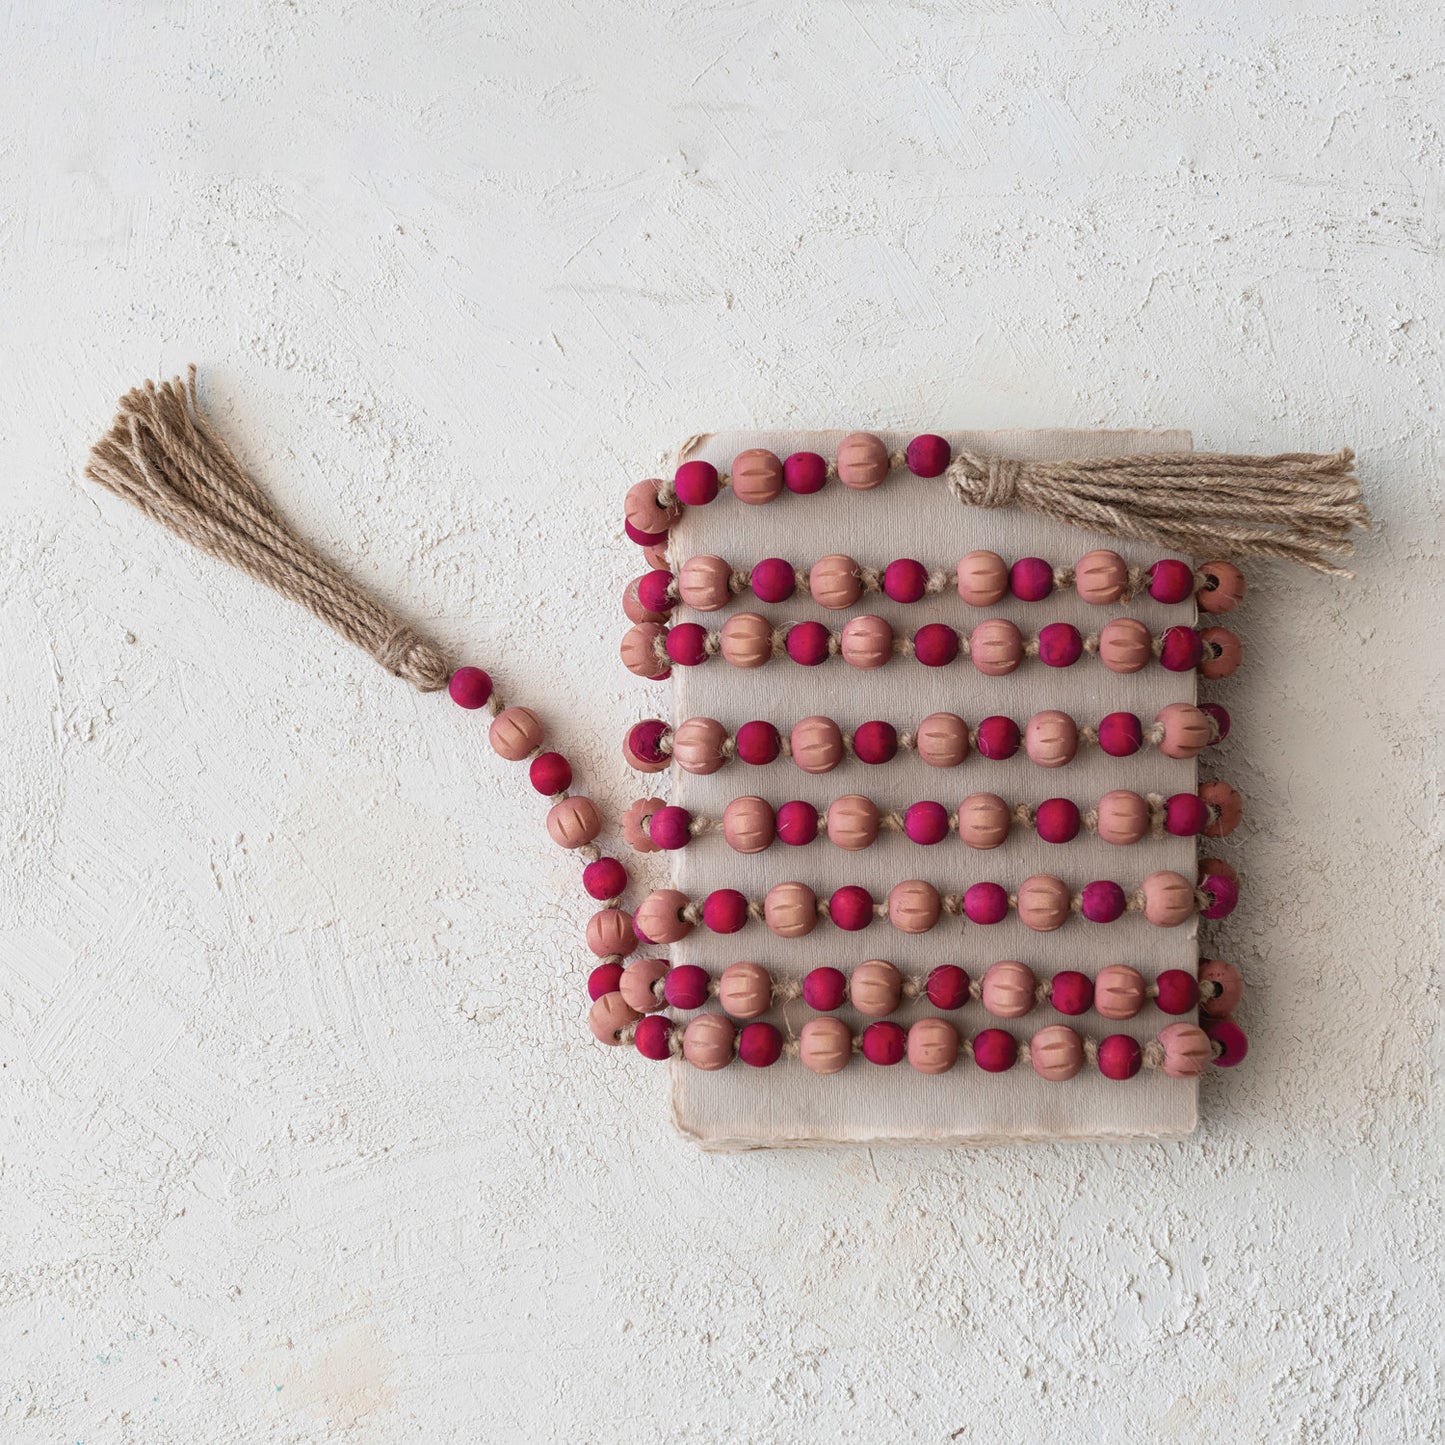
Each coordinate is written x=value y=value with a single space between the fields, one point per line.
x=852 y=822
x=696 y=483
x=942 y=740
x=1230 y=808
x=851 y=908
x=609 y=931
x=1227 y=979
x=1186 y=730
x=1008 y=989
x=791 y=910
x=1031 y=579
x=655 y=556
x=875 y=989
x=745 y=990
x=635 y=609
x=996 y=647
x=928 y=455
x=1043 y=903
x=905 y=580
x=884 y=1043
x=926 y=823
x=1119 y=991
x=642 y=746
x=985 y=903
x=469 y=687
x=1222 y=653
x=1120 y=1057
x=747 y=639
x=724 y=910
x=1056 y=1053
x=1071 y=992
x=573 y=822
x=983 y=578
x=875 y=742
x=609 y=1016
x=686 y=987
x=1223 y=588
x=670 y=828
x=707 y=1042
x=1056 y=820
x=773 y=580
x=703 y=583
x=984 y=820
x=604 y=878
x=995 y=1051
x=757 y=477
x=932 y=1046
x=644 y=512
x=862 y=461
x=825 y=988
x=825 y=1046
x=1186 y=1050
x=867 y=642
x=998 y=738
x=914 y=906
x=1123 y=818
x=1101 y=577
x=1051 y=738
x=1170 y=580
x=659 y=919
x=697 y=745
x=639 y=650
x=652 y=1037
x=1230 y=1038
x=947 y=986
x=835 y=582
x=816 y=744
x=1125 y=645
x=515 y=732
x=636 y=821
x=1168 y=899
x=603 y=979
x=638 y=984
x=748 y=825
x=760 y=1045
x=1176 y=991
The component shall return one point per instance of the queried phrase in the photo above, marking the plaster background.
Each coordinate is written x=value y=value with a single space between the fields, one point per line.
x=302 y=1136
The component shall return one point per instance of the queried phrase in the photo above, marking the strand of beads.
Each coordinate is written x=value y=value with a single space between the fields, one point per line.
x=817 y=745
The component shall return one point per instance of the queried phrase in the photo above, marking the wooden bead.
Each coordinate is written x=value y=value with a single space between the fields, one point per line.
x=1168 y=899
x=573 y=822
x=703 y=583
x=1187 y=1051
x=697 y=745
x=637 y=985
x=656 y=557
x=1228 y=802
x=932 y=1046
x=1231 y=988
x=1119 y=991
x=914 y=906
x=643 y=510
x=984 y=820
x=757 y=477
x=996 y=647
x=1226 y=664
x=1186 y=730
x=634 y=608
x=1223 y=588
x=1043 y=903
x=875 y=988
x=791 y=909
x=639 y=650
x=749 y=825
x=852 y=822
x=982 y=578
x=609 y=1016
x=825 y=1046
x=658 y=918
x=817 y=744
x=1056 y=1053
x=1051 y=738
x=835 y=582
x=745 y=990
x=609 y=930
x=1123 y=818
x=942 y=740
x=867 y=642
x=1008 y=989
x=515 y=732
x=707 y=1042
x=862 y=461
x=747 y=639
x=1101 y=577
x=1125 y=645
x=636 y=821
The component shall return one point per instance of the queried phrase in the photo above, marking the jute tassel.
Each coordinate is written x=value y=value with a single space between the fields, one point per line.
x=162 y=456
x=1297 y=507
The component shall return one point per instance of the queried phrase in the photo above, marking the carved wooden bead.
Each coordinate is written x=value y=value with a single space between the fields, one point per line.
x=1231 y=987
x=835 y=582
x=745 y=990
x=749 y=825
x=747 y=639
x=1051 y=738
x=817 y=744
x=609 y=1016
x=1223 y=588
x=1125 y=645
x=1186 y=730
x=515 y=732
x=1119 y=991
x=875 y=988
x=1228 y=802
x=702 y=582
x=914 y=906
x=645 y=512
x=697 y=745
x=1168 y=899
x=932 y=1046
x=1230 y=653
x=984 y=820
x=852 y=822
x=1008 y=989
x=1123 y=818
x=862 y=461
x=637 y=983
x=573 y=822
x=825 y=1046
x=1056 y=1053
x=982 y=578
x=609 y=930
x=867 y=642
x=757 y=476
x=639 y=650
x=707 y=1042
x=791 y=909
x=1187 y=1051
x=942 y=740
x=656 y=556
x=1101 y=577
x=1043 y=903
x=996 y=647
x=659 y=919
x=636 y=824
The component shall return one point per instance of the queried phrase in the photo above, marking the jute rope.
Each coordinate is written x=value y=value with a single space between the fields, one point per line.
x=162 y=456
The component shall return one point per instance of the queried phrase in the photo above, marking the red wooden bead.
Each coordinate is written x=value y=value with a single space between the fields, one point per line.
x=1181 y=650
x=604 y=878
x=935 y=645
x=641 y=538
x=905 y=580
x=995 y=1050
x=1223 y=894
x=797 y=824
x=695 y=483
x=773 y=580
x=1171 y=580
x=1178 y=991
x=760 y=1045
x=687 y=644
x=642 y=750
x=1185 y=815
x=469 y=687
x=825 y=988
x=875 y=742
x=947 y=986
x=851 y=908
x=603 y=979
x=884 y=1043
x=928 y=455
x=926 y=823
x=757 y=743
x=805 y=473
x=550 y=773
x=724 y=910
x=668 y=828
x=986 y=903
x=1071 y=992
x=686 y=987
x=1103 y=901
x=1231 y=1038
x=807 y=643
x=1121 y=735
x=1060 y=645
x=651 y=1036
x=1057 y=820
x=652 y=591
x=1120 y=1057
x=634 y=610
x=1220 y=716
x=1031 y=579
x=998 y=738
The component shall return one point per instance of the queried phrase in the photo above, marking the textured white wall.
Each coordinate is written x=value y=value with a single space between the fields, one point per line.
x=302 y=1137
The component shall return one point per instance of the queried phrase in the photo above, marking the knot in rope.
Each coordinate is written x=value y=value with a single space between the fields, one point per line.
x=985 y=481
